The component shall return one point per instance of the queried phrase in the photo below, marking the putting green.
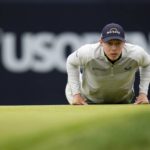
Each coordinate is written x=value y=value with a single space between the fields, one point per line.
x=65 y=127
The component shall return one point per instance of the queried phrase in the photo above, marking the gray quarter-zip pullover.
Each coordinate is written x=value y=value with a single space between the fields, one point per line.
x=104 y=82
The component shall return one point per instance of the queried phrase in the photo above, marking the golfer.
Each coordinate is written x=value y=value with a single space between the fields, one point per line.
x=104 y=72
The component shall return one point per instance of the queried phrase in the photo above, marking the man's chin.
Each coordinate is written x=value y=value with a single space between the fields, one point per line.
x=114 y=59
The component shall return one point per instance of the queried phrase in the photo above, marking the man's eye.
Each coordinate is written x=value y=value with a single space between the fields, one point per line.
x=118 y=43
x=109 y=43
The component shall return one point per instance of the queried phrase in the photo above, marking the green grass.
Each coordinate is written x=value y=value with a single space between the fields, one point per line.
x=65 y=127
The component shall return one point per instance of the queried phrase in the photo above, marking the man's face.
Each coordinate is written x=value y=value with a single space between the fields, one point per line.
x=112 y=48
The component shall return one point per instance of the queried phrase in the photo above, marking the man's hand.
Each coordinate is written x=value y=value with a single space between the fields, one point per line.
x=141 y=99
x=78 y=100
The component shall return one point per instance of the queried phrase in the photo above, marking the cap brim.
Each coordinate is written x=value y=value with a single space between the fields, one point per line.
x=113 y=38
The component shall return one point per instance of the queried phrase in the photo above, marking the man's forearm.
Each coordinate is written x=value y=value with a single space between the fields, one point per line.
x=144 y=80
x=73 y=78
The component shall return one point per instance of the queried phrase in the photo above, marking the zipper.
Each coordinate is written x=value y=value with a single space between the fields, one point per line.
x=112 y=71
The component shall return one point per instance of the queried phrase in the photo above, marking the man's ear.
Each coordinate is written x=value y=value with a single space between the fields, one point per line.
x=100 y=40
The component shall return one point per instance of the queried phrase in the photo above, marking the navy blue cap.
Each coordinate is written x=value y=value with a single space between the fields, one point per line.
x=113 y=31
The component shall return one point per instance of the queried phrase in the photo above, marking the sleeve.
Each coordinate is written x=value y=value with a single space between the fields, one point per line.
x=74 y=61
x=144 y=64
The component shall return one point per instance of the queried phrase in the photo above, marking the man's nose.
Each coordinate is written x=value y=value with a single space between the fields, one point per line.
x=114 y=47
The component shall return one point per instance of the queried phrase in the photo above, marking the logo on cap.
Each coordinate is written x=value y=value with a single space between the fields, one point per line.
x=113 y=30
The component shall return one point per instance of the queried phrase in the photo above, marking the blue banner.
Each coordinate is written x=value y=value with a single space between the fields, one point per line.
x=36 y=38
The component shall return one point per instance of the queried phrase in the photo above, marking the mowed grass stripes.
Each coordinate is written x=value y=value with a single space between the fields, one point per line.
x=65 y=127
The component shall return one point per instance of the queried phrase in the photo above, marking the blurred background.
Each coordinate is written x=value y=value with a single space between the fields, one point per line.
x=36 y=36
